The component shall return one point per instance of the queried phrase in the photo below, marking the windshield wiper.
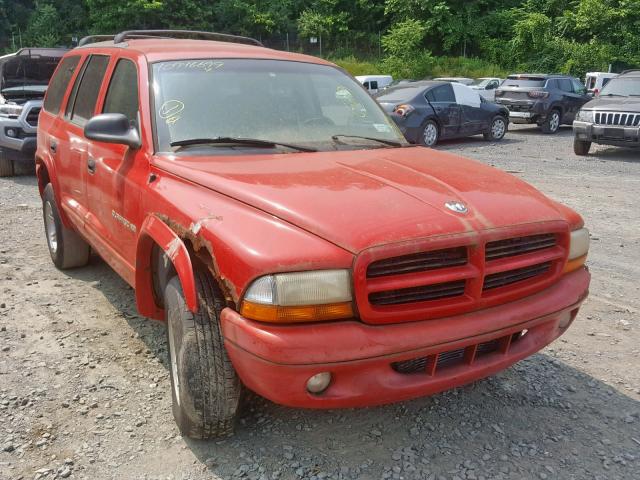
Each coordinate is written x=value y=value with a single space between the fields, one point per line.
x=393 y=143
x=250 y=142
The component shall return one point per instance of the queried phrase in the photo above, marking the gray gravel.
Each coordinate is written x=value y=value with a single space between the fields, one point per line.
x=84 y=388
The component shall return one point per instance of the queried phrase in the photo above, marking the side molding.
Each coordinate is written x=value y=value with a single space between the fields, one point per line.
x=154 y=230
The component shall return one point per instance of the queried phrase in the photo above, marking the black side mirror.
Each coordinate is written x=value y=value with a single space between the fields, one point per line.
x=112 y=128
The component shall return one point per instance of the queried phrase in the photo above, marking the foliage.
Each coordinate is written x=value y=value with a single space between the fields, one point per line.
x=510 y=35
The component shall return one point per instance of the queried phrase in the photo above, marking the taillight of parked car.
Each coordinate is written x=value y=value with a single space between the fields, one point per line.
x=538 y=94
x=403 y=110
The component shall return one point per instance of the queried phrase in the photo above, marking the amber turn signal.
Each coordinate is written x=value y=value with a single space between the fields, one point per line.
x=575 y=264
x=296 y=314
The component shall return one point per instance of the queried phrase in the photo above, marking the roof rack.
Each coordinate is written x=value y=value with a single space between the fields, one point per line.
x=221 y=37
x=99 y=38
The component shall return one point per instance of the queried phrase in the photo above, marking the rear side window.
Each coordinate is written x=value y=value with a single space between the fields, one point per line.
x=565 y=85
x=86 y=89
x=59 y=83
x=122 y=95
x=443 y=93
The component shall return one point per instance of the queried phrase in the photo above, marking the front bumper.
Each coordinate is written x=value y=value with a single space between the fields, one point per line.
x=22 y=145
x=276 y=361
x=607 y=134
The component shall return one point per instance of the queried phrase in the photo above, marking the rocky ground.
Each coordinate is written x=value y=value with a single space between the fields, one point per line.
x=84 y=387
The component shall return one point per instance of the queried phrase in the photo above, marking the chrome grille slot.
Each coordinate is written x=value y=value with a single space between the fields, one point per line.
x=418 y=294
x=418 y=262
x=501 y=279
x=517 y=246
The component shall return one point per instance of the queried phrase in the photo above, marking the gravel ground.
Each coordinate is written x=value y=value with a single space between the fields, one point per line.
x=85 y=394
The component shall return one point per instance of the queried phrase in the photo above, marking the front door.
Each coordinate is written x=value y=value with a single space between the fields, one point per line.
x=113 y=195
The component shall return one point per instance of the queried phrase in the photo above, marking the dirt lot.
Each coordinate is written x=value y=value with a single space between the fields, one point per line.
x=84 y=387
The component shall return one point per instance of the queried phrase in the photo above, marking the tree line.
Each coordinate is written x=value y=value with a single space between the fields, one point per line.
x=403 y=37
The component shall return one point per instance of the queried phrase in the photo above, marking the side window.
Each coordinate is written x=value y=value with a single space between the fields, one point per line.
x=605 y=81
x=443 y=93
x=122 y=95
x=565 y=85
x=86 y=89
x=493 y=85
x=578 y=87
x=374 y=85
x=552 y=84
x=58 y=84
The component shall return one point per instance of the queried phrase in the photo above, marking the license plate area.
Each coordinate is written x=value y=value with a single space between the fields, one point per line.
x=617 y=133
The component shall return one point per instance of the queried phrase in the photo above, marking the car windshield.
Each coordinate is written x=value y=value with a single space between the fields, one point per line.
x=524 y=82
x=481 y=82
x=622 y=86
x=282 y=102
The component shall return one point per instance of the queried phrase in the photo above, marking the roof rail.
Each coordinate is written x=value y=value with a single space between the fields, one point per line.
x=222 y=37
x=94 y=38
x=631 y=70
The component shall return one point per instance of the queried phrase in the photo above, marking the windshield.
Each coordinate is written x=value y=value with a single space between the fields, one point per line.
x=481 y=82
x=622 y=86
x=524 y=82
x=271 y=100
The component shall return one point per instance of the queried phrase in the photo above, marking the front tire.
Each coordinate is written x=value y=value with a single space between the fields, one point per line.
x=498 y=130
x=581 y=147
x=204 y=385
x=6 y=165
x=66 y=247
x=552 y=123
x=430 y=134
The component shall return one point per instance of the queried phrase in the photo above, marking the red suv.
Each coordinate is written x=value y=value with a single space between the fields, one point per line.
x=264 y=206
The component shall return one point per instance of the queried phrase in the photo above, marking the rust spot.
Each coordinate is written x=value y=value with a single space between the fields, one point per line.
x=204 y=251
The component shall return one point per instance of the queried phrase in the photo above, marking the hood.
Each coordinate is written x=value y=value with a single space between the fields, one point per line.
x=363 y=198
x=619 y=104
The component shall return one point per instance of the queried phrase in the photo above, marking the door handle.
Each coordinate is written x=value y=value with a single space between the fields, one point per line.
x=53 y=146
x=91 y=165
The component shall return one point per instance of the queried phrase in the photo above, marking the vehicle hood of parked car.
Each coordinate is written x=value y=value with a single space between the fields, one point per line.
x=362 y=198
x=624 y=104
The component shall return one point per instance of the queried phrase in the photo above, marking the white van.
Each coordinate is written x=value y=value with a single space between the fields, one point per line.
x=375 y=83
x=596 y=80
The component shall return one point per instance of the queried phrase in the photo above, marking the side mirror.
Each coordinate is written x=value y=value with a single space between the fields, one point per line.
x=112 y=128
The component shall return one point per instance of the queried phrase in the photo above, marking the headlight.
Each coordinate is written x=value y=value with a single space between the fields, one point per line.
x=585 y=116
x=578 y=249
x=299 y=297
x=10 y=110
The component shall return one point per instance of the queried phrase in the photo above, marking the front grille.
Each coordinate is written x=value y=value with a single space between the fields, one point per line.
x=509 y=277
x=618 y=119
x=32 y=116
x=518 y=246
x=418 y=262
x=439 y=362
x=418 y=294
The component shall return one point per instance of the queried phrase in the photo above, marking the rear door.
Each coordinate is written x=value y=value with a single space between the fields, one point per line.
x=112 y=184
x=443 y=101
x=571 y=101
x=473 y=118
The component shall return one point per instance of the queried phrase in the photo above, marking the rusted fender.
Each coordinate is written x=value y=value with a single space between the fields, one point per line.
x=155 y=230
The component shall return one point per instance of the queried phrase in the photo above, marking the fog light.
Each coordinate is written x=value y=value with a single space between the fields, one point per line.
x=11 y=132
x=319 y=382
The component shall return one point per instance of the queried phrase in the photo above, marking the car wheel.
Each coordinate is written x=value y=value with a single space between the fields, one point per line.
x=552 y=122
x=204 y=385
x=498 y=130
x=430 y=134
x=581 y=147
x=66 y=247
x=6 y=166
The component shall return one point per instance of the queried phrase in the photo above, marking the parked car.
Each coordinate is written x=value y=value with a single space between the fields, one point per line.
x=301 y=249
x=613 y=118
x=546 y=100
x=595 y=81
x=429 y=111
x=24 y=76
x=462 y=80
x=486 y=87
x=375 y=83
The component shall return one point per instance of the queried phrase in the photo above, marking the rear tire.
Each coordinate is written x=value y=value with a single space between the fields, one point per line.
x=552 y=123
x=498 y=129
x=581 y=147
x=204 y=385
x=6 y=165
x=430 y=134
x=66 y=247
